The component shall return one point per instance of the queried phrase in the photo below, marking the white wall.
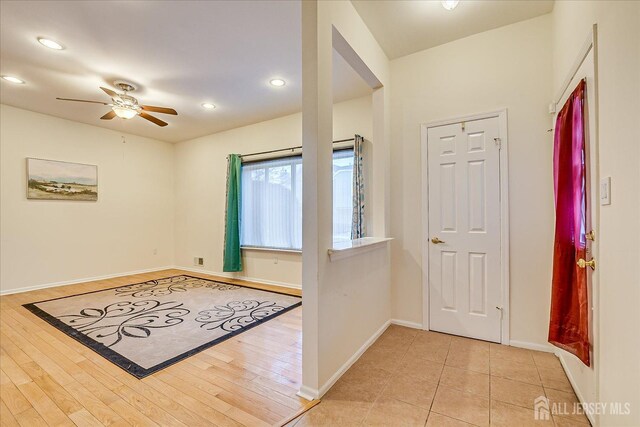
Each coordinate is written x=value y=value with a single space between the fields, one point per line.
x=46 y=241
x=504 y=68
x=618 y=231
x=347 y=301
x=200 y=170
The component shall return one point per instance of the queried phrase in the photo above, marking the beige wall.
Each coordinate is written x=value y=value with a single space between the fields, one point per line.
x=504 y=68
x=200 y=170
x=617 y=354
x=46 y=241
x=136 y=198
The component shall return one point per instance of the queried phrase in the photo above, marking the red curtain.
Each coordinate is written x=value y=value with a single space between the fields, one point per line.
x=569 y=323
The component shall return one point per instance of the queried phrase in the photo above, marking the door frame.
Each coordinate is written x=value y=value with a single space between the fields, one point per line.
x=501 y=115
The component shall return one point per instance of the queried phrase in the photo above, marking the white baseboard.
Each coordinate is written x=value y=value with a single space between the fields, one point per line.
x=307 y=393
x=548 y=348
x=238 y=277
x=83 y=280
x=406 y=323
x=310 y=393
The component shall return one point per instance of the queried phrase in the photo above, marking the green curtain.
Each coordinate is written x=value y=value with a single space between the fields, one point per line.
x=232 y=256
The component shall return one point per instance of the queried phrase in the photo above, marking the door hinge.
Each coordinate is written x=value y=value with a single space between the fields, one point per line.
x=498 y=142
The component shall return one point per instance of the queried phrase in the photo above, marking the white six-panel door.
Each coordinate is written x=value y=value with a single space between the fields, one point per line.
x=464 y=229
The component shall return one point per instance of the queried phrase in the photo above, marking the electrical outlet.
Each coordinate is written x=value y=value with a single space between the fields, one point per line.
x=199 y=261
x=155 y=251
x=275 y=260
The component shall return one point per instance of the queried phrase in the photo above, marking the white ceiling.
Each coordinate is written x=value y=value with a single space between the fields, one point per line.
x=403 y=27
x=179 y=53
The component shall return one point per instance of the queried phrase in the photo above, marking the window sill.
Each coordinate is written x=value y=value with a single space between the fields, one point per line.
x=264 y=249
x=341 y=250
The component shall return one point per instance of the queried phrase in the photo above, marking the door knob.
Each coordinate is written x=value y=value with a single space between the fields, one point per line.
x=435 y=241
x=582 y=263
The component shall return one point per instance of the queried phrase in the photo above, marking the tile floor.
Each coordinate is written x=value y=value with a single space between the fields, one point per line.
x=419 y=378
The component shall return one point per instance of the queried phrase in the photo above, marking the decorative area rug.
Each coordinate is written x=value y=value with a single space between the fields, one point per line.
x=145 y=327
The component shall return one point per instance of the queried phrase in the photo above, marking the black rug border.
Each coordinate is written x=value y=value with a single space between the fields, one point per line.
x=128 y=365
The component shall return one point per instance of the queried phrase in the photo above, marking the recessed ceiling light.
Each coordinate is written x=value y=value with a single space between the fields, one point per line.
x=208 y=106
x=277 y=82
x=50 y=43
x=13 y=79
x=450 y=4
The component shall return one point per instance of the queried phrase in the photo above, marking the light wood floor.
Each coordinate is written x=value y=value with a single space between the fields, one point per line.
x=48 y=378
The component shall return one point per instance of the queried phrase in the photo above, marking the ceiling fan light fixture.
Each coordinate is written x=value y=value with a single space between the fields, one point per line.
x=124 y=113
x=450 y=4
x=51 y=44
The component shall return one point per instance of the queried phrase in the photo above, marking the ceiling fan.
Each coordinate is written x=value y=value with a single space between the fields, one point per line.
x=126 y=106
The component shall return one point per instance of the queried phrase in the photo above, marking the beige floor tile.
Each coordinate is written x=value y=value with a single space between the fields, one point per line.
x=515 y=354
x=505 y=415
x=359 y=384
x=561 y=385
x=555 y=378
x=463 y=406
x=396 y=336
x=565 y=405
x=426 y=351
x=546 y=360
x=465 y=380
x=400 y=331
x=386 y=358
x=466 y=344
x=406 y=373
x=335 y=413
x=422 y=369
x=433 y=338
x=515 y=392
x=471 y=360
x=515 y=371
x=391 y=412
x=437 y=420
x=410 y=389
x=395 y=344
x=568 y=422
x=552 y=373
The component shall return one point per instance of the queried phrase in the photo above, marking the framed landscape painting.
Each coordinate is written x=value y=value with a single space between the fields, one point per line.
x=54 y=180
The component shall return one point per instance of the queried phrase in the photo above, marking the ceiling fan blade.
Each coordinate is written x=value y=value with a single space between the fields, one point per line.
x=82 y=100
x=110 y=115
x=162 y=110
x=111 y=93
x=152 y=119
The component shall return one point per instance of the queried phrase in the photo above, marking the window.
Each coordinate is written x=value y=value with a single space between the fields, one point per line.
x=342 y=194
x=271 y=210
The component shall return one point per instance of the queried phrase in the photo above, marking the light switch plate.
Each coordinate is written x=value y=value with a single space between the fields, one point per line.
x=605 y=191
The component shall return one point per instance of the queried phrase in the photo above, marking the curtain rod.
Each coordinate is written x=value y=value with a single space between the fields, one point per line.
x=289 y=149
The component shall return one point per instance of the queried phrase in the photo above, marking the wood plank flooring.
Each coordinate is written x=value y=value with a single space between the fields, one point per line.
x=49 y=379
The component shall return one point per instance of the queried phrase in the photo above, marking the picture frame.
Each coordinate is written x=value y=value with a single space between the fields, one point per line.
x=60 y=180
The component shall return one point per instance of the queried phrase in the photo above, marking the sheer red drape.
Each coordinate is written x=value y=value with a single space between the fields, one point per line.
x=569 y=323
